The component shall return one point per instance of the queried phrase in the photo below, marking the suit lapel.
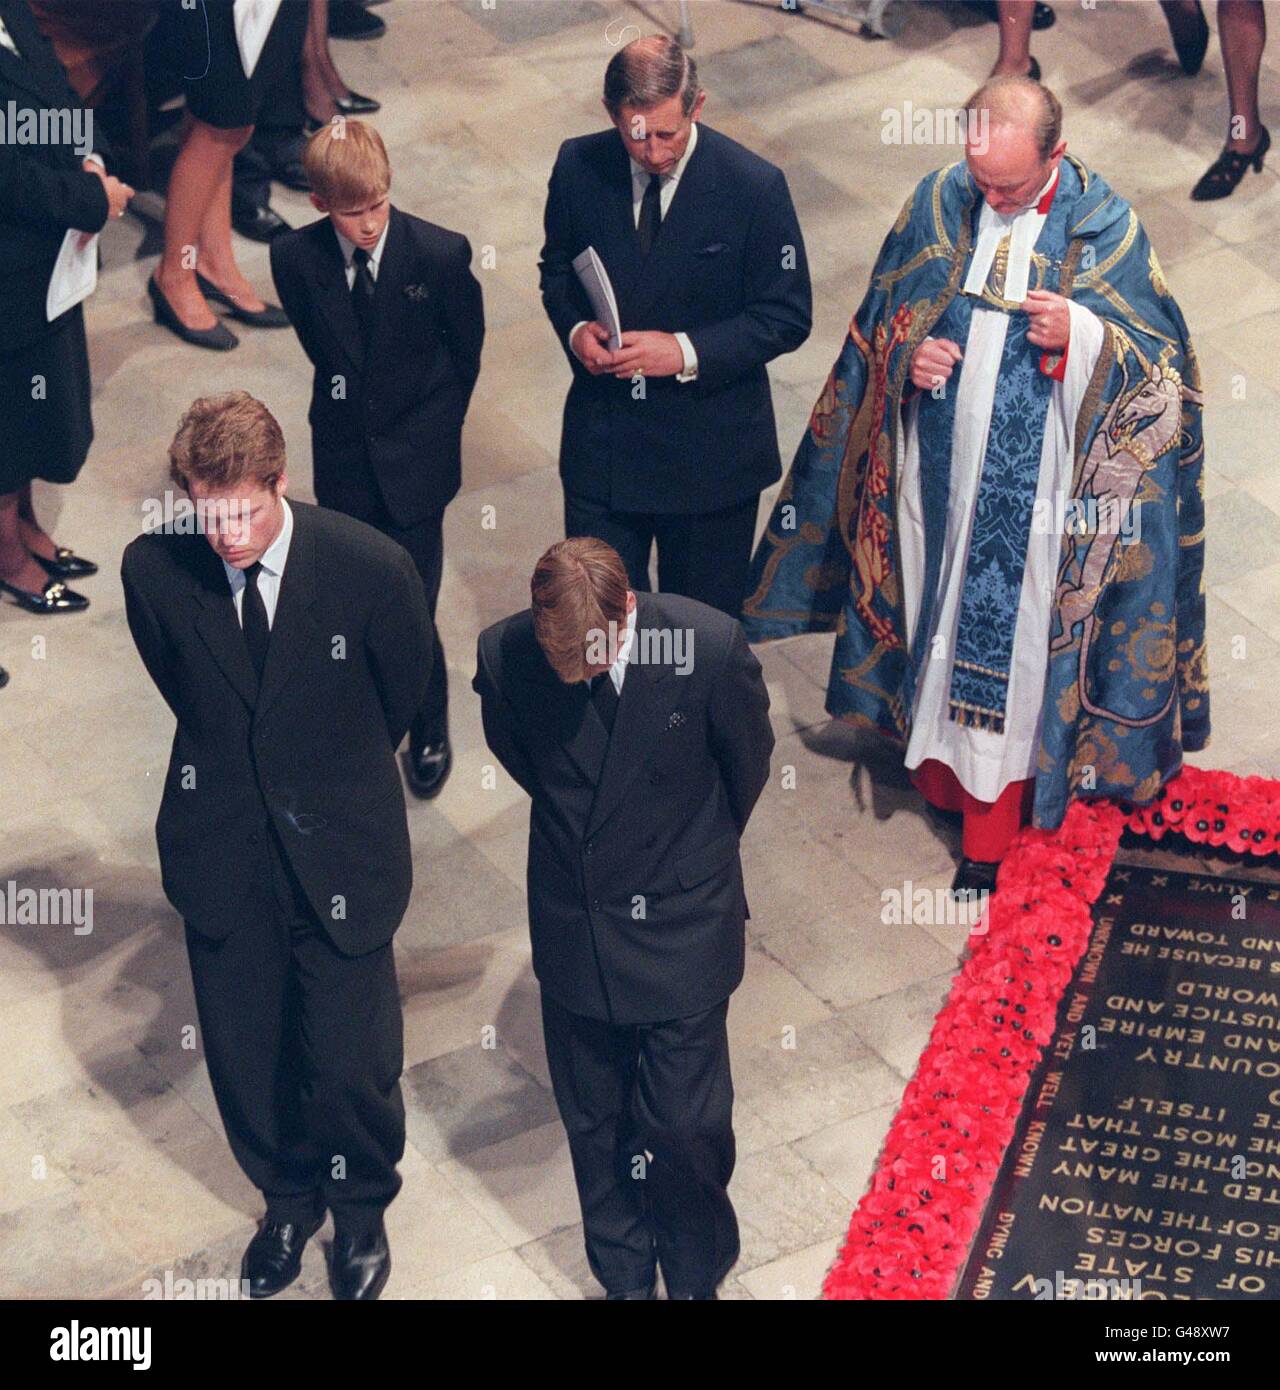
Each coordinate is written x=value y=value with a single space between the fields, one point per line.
x=620 y=248
x=566 y=713
x=637 y=725
x=218 y=625
x=692 y=207
x=294 y=633
x=327 y=272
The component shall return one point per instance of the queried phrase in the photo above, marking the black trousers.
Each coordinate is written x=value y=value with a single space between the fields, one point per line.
x=702 y=555
x=648 y=1111
x=305 y=1048
x=357 y=495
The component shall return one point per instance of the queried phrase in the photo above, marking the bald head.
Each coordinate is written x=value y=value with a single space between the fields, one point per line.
x=1014 y=140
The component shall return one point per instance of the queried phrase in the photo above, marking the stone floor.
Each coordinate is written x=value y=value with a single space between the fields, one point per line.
x=113 y=1166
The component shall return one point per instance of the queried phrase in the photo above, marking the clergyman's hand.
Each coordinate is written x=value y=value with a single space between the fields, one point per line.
x=1050 y=320
x=934 y=362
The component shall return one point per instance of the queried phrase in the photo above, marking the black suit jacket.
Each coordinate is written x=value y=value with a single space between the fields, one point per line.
x=636 y=904
x=44 y=191
x=313 y=752
x=728 y=268
x=401 y=405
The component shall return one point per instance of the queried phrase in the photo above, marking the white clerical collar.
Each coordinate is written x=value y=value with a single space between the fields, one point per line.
x=348 y=247
x=640 y=175
x=1023 y=228
x=273 y=557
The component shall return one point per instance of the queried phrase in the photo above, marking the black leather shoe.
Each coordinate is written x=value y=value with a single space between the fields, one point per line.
x=428 y=768
x=711 y=1297
x=649 y=1295
x=4 y=678
x=273 y=1258
x=361 y=1266
x=1219 y=180
x=347 y=20
x=974 y=876
x=66 y=564
x=220 y=338
x=353 y=104
x=260 y=225
x=1190 y=43
x=271 y=316
x=55 y=597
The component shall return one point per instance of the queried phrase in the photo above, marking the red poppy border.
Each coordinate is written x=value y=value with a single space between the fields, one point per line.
x=909 y=1235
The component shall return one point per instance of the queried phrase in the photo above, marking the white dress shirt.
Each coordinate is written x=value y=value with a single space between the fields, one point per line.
x=269 y=576
x=618 y=671
x=666 y=191
x=348 y=249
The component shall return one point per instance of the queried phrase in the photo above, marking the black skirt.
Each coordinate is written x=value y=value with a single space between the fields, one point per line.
x=218 y=92
x=45 y=407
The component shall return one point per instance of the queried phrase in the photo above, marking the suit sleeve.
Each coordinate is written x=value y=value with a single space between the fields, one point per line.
x=741 y=735
x=499 y=725
x=777 y=311
x=148 y=636
x=49 y=200
x=399 y=643
x=464 y=317
x=563 y=297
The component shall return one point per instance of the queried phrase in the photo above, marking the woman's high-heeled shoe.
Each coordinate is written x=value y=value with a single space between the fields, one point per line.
x=269 y=316
x=353 y=104
x=66 y=564
x=1191 y=47
x=55 y=597
x=219 y=337
x=1219 y=180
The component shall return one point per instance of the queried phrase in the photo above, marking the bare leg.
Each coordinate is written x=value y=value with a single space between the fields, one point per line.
x=1242 y=33
x=217 y=261
x=16 y=565
x=199 y=173
x=1015 y=37
x=33 y=534
x=321 y=85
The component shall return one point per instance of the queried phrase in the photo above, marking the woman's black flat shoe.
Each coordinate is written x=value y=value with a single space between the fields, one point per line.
x=270 y=317
x=220 y=338
x=66 y=564
x=1221 y=177
x=55 y=597
x=353 y=104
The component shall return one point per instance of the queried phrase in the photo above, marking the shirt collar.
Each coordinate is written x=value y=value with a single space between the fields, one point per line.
x=348 y=248
x=640 y=175
x=273 y=557
x=617 y=671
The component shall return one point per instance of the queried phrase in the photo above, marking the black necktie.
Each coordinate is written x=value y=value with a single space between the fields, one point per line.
x=605 y=698
x=362 y=291
x=650 y=214
x=253 y=618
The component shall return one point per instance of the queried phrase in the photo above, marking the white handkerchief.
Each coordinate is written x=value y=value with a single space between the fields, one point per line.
x=253 y=21
x=75 y=274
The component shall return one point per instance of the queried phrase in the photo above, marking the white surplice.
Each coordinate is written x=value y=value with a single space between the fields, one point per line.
x=985 y=763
